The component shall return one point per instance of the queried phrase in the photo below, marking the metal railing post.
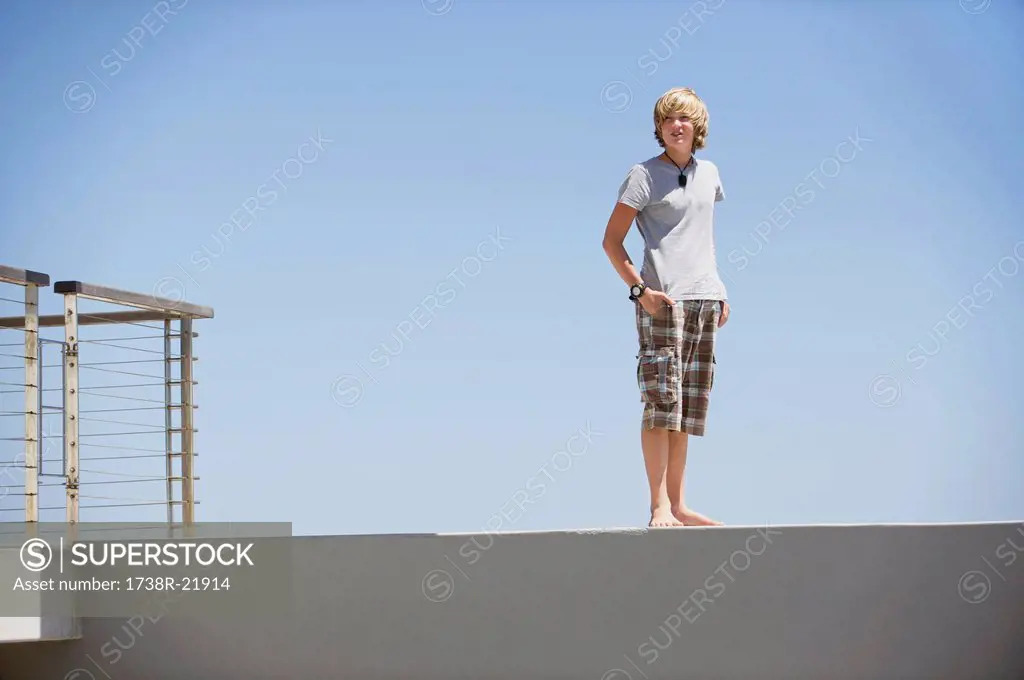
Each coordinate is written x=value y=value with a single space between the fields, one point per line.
x=168 y=421
x=28 y=324
x=71 y=469
x=187 y=441
x=32 y=400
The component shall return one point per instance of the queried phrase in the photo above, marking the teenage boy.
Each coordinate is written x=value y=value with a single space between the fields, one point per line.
x=679 y=298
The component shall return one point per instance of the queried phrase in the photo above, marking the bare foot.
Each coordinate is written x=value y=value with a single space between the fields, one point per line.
x=662 y=517
x=694 y=519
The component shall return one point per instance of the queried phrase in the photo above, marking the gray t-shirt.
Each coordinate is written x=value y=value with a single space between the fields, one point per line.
x=677 y=225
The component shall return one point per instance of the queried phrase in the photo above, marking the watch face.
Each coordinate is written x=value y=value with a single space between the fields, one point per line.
x=636 y=289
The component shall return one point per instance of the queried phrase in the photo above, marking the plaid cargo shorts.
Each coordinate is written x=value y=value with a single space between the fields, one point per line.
x=676 y=364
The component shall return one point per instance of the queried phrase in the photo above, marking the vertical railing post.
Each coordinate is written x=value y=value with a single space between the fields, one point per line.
x=187 y=441
x=71 y=466
x=32 y=401
x=168 y=421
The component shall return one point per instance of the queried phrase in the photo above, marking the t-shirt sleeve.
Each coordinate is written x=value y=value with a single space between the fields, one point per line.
x=636 y=188
x=719 y=190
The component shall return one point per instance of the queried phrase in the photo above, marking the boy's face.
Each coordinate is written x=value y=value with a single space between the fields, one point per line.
x=677 y=133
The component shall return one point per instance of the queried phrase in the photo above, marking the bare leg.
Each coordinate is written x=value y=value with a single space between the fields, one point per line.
x=655 y=444
x=678 y=443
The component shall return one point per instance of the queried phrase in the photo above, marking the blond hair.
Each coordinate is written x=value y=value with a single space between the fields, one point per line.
x=682 y=101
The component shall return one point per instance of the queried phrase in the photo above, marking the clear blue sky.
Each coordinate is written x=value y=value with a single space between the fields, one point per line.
x=850 y=386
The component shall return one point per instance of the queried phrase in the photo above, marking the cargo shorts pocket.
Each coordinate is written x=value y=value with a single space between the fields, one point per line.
x=657 y=373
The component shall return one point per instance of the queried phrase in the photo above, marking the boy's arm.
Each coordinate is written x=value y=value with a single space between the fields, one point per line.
x=614 y=241
x=720 y=196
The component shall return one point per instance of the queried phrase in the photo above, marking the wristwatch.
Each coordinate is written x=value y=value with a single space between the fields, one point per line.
x=636 y=290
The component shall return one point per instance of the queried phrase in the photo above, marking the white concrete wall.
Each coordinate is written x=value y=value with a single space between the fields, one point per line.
x=35 y=628
x=26 y=627
x=836 y=603
x=20 y=628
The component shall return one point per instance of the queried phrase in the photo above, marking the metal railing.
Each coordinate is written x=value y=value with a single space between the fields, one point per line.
x=125 y=383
